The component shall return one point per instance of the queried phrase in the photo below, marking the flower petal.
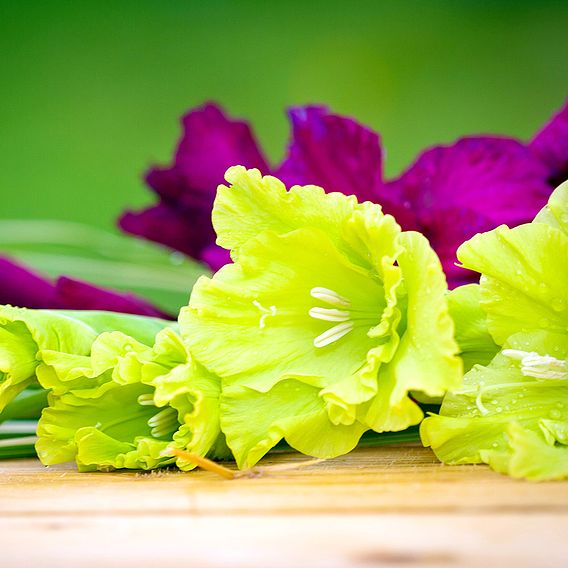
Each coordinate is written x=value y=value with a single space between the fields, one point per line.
x=334 y=152
x=503 y=418
x=210 y=144
x=188 y=232
x=469 y=187
x=73 y=294
x=290 y=410
x=551 y=146
x=475 y=343
x=523 y=285
x=20 y=286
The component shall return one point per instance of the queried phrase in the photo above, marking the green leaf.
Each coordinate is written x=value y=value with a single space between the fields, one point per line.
x=104 y=258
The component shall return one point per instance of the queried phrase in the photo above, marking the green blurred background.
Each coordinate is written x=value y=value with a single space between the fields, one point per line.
x=92 y=90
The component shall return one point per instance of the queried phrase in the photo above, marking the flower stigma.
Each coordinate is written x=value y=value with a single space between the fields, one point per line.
x=266 y=312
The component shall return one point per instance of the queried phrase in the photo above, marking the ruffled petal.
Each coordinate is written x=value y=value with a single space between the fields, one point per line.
x=128 y=404
x=255 y=422
x=25 y=333
x=523 y=286
x=333 y=152
x=470 y=187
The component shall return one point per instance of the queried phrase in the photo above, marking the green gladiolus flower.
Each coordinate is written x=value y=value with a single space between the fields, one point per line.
x=328 y=318
x=24 y=332
x=127 y=405
x=512 y=414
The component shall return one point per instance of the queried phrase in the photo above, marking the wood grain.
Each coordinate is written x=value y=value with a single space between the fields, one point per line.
x=394 y=506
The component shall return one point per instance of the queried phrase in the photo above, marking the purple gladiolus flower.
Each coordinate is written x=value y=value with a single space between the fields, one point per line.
x=25 y=288
x=449 y=193
x=210 y=144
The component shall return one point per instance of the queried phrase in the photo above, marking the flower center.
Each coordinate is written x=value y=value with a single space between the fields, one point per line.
x=341 y=311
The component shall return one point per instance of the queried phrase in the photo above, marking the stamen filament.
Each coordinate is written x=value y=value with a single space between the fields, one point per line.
x=329 y=314
x=333 y=334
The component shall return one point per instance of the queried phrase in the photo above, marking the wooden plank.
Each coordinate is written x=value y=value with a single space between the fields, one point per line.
x=395 y=479
x=276 y=541
x=393 y=506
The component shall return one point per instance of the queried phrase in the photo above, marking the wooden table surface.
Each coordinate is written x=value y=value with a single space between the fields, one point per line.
x=393 y=506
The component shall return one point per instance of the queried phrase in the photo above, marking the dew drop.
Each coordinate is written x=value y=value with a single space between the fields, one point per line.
x=555 y=414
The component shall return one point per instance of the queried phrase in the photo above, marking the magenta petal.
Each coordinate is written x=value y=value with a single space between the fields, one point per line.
x=447 y=229
x=22 y=287
x=215 y=257
x=497 y=177
x=333 y=152
x=551 y=146
x=470 y=187
x=73 y=294
x=210 y=144
x=187 y=231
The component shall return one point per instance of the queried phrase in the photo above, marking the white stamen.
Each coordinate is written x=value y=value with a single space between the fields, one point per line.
x=333 y=334
x=539 y=366
x=265 y=313
x=146 y=400
x=329 y=297
x=329 y=314
x=163 y=417
x=163 y=423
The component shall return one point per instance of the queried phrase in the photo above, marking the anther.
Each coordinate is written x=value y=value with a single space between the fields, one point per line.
x=539 y=366
x=146 y=400
x=329 y=297
x=333 y=334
